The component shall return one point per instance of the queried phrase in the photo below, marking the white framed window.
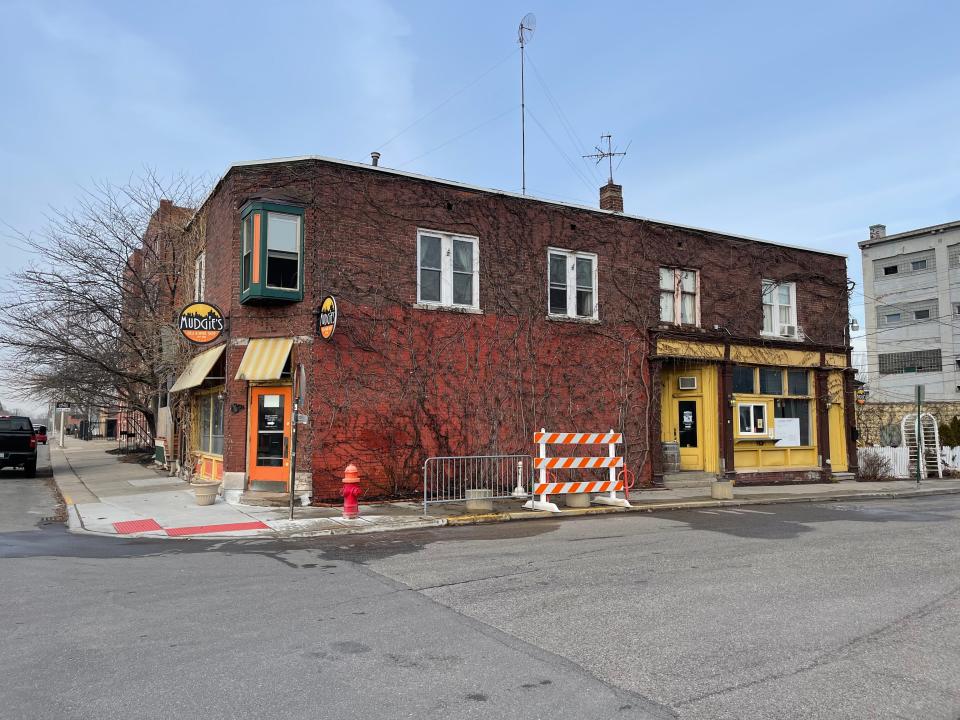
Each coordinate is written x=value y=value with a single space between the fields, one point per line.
x=753 y=419
x=199 y=276
x=779 y=309
x=571 y=284
x=448 y=270
x=283 y=250
x=679 y=296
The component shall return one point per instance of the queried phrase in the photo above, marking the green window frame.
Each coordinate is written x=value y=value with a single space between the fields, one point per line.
x=272 y=241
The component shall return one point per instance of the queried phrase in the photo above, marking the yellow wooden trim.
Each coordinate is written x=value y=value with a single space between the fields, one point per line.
x=774 y=356
x=836 y=417
x=837 y=360
x=689 y=348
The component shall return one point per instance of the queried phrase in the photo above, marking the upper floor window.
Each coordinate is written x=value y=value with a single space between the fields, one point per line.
x=271 y=252
x=891 y=270
x=918 y=265
x=448 y=270
x=199 y=276
x=779 y=309
x=572 y=284
x=679 y=296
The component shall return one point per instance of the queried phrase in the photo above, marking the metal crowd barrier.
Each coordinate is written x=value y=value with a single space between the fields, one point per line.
x=447 y=479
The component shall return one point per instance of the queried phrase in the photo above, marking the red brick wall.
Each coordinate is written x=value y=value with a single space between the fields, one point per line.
x=398 y=383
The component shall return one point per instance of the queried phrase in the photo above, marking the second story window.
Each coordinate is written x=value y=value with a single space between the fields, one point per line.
x=679 y=296
x=572 y=284
x=199 y=276
x=271 y=252
x=448 y=270
x=779 y=309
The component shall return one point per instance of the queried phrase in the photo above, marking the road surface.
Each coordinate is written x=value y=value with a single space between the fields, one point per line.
x=791 y=611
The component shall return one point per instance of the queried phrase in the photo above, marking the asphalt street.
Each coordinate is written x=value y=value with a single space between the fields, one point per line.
x=786 y=611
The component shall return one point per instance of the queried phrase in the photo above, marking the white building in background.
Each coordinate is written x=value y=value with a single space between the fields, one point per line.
x=911 y=288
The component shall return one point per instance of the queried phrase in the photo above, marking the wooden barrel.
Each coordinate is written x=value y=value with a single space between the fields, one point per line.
x=671 y=457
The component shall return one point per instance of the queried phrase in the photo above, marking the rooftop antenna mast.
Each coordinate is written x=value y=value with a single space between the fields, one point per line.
x=524 y=33
x=609 y=154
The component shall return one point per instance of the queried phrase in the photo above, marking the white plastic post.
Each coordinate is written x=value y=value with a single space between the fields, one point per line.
x=520 y=491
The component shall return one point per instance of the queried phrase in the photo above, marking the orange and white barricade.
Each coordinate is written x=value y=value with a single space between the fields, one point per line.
x=546 y=486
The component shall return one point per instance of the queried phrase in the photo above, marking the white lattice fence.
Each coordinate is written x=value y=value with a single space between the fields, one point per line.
x=900 y=460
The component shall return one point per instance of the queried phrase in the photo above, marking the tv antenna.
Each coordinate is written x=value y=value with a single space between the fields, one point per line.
x=609 y=154
x=524 y=34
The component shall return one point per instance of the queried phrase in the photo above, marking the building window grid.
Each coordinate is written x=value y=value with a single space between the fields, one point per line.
x=915 y=262
x=572 y=284
x=917 y=361
x=679 y=296
x=953 y=256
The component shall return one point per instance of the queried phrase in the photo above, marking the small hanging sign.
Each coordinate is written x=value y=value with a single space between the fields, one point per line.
x=201 y=323
x=327 y=317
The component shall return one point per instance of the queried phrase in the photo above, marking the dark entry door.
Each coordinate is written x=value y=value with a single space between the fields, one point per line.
x=687 y=415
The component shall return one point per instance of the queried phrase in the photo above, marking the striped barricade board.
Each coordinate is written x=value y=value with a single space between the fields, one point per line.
x=605 y=490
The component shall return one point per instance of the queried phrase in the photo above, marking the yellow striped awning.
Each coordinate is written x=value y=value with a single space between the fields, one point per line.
x=264 y=359
x=198 y=368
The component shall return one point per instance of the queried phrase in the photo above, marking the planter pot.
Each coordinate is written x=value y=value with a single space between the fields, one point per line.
x=205 y=493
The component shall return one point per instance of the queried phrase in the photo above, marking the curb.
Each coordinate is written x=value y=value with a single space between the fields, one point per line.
x=693 y=505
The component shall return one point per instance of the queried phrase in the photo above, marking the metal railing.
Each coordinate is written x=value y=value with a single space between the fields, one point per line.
x=448 y=479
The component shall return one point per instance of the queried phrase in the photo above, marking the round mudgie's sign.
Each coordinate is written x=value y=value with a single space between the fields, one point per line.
x=327 y=321
x=201 y=323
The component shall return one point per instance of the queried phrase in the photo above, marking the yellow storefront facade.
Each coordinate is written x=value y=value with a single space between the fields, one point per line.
x=753 y=413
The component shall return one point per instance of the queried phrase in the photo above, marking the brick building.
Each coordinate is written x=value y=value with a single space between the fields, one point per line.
x=470 y=318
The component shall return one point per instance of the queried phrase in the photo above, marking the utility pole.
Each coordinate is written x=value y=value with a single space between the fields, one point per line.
x=527 y=25
x=920 y=457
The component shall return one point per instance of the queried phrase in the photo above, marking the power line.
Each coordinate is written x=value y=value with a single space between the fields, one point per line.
x=449 y=98
x=565 y=123
x=563 y=154
x=461 y=135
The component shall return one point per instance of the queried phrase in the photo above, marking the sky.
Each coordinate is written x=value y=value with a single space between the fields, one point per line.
x=797 y=123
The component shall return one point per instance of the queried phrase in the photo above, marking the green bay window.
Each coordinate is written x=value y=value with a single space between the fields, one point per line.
x=271 y=247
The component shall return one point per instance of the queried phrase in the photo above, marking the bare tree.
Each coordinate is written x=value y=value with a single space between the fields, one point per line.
x=89 y=317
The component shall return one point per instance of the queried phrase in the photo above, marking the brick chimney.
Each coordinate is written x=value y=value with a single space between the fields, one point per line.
x=878 y=231
x=611 y=197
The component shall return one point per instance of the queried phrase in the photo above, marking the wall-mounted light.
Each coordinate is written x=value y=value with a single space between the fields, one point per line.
x=235 y=408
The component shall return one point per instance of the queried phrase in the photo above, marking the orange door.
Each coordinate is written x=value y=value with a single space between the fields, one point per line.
x=268 y=438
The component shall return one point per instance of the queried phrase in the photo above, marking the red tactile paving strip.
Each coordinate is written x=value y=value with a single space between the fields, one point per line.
x=136 y=526
x=202 y=529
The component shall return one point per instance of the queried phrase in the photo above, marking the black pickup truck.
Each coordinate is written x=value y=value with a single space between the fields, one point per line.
x=18 y=444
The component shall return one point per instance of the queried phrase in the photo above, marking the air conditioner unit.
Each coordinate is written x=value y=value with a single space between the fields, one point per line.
x=687 y=382
x=788 y=331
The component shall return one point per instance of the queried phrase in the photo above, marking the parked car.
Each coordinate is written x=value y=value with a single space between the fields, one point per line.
x=41 y=433
x=18 y=444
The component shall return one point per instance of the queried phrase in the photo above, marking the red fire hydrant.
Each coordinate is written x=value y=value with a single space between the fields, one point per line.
x=351 y=491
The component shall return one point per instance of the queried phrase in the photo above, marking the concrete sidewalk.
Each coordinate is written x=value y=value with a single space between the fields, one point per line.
x=105 y=495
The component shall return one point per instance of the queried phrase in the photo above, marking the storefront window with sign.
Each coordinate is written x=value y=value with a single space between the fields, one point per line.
x=774 y=403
